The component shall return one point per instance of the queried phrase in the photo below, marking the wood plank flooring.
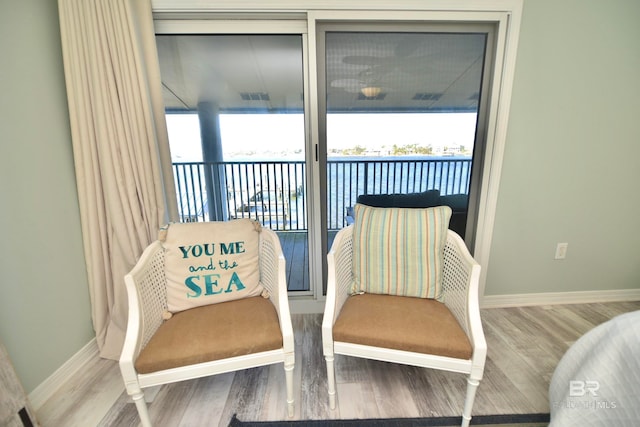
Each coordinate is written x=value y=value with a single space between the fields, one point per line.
x=525 y=345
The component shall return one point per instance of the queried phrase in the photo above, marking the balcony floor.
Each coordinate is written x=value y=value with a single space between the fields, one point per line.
x=296 y=252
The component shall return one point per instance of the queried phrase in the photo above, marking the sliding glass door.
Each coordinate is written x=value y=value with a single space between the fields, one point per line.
x=236 y=122
x=290 y=118
x=401 y=109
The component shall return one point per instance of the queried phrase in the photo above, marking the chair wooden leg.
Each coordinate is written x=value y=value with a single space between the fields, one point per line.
x=472 y=386
x=331 y=381
x=141 y=405
x=288 y=371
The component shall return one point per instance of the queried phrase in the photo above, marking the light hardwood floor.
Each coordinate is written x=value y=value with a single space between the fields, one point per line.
x=525 y=345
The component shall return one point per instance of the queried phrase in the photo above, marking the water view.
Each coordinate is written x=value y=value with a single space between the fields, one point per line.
x=263 y=174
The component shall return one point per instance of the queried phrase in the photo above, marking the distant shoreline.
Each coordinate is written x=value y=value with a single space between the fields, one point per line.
x=258 y=159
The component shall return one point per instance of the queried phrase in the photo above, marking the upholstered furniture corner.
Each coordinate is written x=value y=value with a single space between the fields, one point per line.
x=425 y=199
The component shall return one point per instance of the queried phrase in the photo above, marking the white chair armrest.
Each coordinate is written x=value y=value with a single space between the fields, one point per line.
x=146 y=292
x=460 y=282
x=273 y=278
x=339 y=282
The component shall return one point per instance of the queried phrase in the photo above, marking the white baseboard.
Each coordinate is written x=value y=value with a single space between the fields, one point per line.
x=299 y=306
x=48 y=387
x=551 y=298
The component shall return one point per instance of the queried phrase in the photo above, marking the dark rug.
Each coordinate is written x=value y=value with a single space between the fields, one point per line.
x=519 y=420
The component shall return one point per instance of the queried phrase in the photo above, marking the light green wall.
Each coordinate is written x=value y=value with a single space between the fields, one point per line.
x=572 y=160
x=44 y=301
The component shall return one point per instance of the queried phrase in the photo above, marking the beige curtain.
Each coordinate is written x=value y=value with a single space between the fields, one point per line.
x=109 y=54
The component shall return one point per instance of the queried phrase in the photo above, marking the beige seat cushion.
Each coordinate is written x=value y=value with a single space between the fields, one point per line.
x=212 y=332
x=402 y=323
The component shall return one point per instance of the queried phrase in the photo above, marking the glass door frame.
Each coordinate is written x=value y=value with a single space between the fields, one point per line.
x=221 y=25
x=506 y=24
x=424 y=28
x=506 y=15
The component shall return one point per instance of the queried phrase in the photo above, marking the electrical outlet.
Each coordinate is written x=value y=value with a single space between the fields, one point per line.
x=561 y=250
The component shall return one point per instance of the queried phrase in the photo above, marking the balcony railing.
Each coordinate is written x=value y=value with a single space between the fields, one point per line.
x=274 y=192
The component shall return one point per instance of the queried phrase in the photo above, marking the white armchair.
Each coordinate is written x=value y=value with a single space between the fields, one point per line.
x=460 y=289
x=262 y=332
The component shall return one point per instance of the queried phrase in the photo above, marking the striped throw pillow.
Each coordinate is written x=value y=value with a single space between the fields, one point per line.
x=399 y=251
